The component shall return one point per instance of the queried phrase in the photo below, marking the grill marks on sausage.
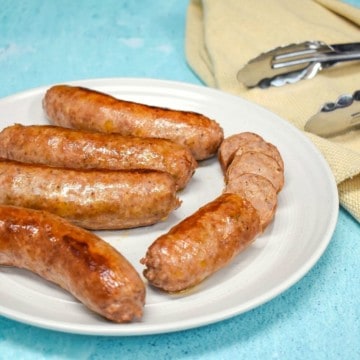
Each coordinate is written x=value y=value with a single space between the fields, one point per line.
x=73 y=258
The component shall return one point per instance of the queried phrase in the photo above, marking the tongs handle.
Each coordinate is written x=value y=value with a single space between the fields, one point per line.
x=330 y=58
x=342 y=52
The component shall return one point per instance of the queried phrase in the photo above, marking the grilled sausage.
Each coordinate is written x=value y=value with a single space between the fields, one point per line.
x=259 y=191
x=202 y=243
x=82 y=108
x=77 y=260
x=93 y=199
x=61 y=147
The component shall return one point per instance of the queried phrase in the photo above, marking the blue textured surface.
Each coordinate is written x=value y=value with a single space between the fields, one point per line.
x=43 y=42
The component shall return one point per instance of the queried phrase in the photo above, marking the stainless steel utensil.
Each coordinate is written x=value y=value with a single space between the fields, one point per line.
x=336 y=117
x=291 y=63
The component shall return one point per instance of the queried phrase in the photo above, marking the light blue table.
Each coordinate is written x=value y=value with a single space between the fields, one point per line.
x=44 y=42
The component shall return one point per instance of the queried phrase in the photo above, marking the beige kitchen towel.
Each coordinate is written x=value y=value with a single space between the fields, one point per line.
x=223 y=35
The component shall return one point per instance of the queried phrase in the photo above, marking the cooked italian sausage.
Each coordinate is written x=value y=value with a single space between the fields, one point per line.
x=202 y=243
x=62 y=147
x=254 y=162
x=93 y=199
x=259 y=191
x=230 y=145
x=82 y=108
x=263 y=147
x=77 y=260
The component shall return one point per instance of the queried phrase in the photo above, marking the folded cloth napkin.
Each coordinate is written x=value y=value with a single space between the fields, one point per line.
x=222 y=36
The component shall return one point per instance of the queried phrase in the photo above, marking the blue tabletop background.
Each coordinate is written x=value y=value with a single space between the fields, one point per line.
x=45 y=42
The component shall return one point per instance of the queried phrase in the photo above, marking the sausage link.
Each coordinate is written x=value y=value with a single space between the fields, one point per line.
x=62 y=147
x=82 y=108
x=202 y=243
x=77 y=260
x=93 y=199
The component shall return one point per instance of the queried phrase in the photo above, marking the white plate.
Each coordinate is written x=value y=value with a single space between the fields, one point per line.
x=292 y=244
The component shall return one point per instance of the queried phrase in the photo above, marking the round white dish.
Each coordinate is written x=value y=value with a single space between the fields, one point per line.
x=304 y=223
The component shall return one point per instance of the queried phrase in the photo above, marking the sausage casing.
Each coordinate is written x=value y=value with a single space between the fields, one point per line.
x=202 y=243
x=93 y=199
x=86 y=109
x=77 y=260
x=62 y=147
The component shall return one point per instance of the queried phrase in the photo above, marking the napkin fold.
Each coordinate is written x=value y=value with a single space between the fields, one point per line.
x=222 y=36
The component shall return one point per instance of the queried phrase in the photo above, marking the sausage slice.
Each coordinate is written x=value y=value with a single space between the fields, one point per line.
x=259 y=191
x=231 y=144
x=256 y=163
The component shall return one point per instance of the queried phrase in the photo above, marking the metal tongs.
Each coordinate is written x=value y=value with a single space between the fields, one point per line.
x=335 y=118
x=291 y=63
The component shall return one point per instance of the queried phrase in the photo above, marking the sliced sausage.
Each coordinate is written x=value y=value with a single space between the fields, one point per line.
x=259 y=191
x=256 y=163
x=263 y=147
x=230 y=145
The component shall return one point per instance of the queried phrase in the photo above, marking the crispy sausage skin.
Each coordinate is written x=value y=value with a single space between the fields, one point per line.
x=202 y=243
x=93 y=199
x=77 y=260
x=82 y=108
x=62 y=147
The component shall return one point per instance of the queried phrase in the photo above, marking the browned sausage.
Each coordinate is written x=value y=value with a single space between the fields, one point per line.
x=230 y=145
x=93 y=199
x=61 y=147
x=80 y=262
x=87 y=109
x=202 y=243
x=259 y=191
x=254 y=162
